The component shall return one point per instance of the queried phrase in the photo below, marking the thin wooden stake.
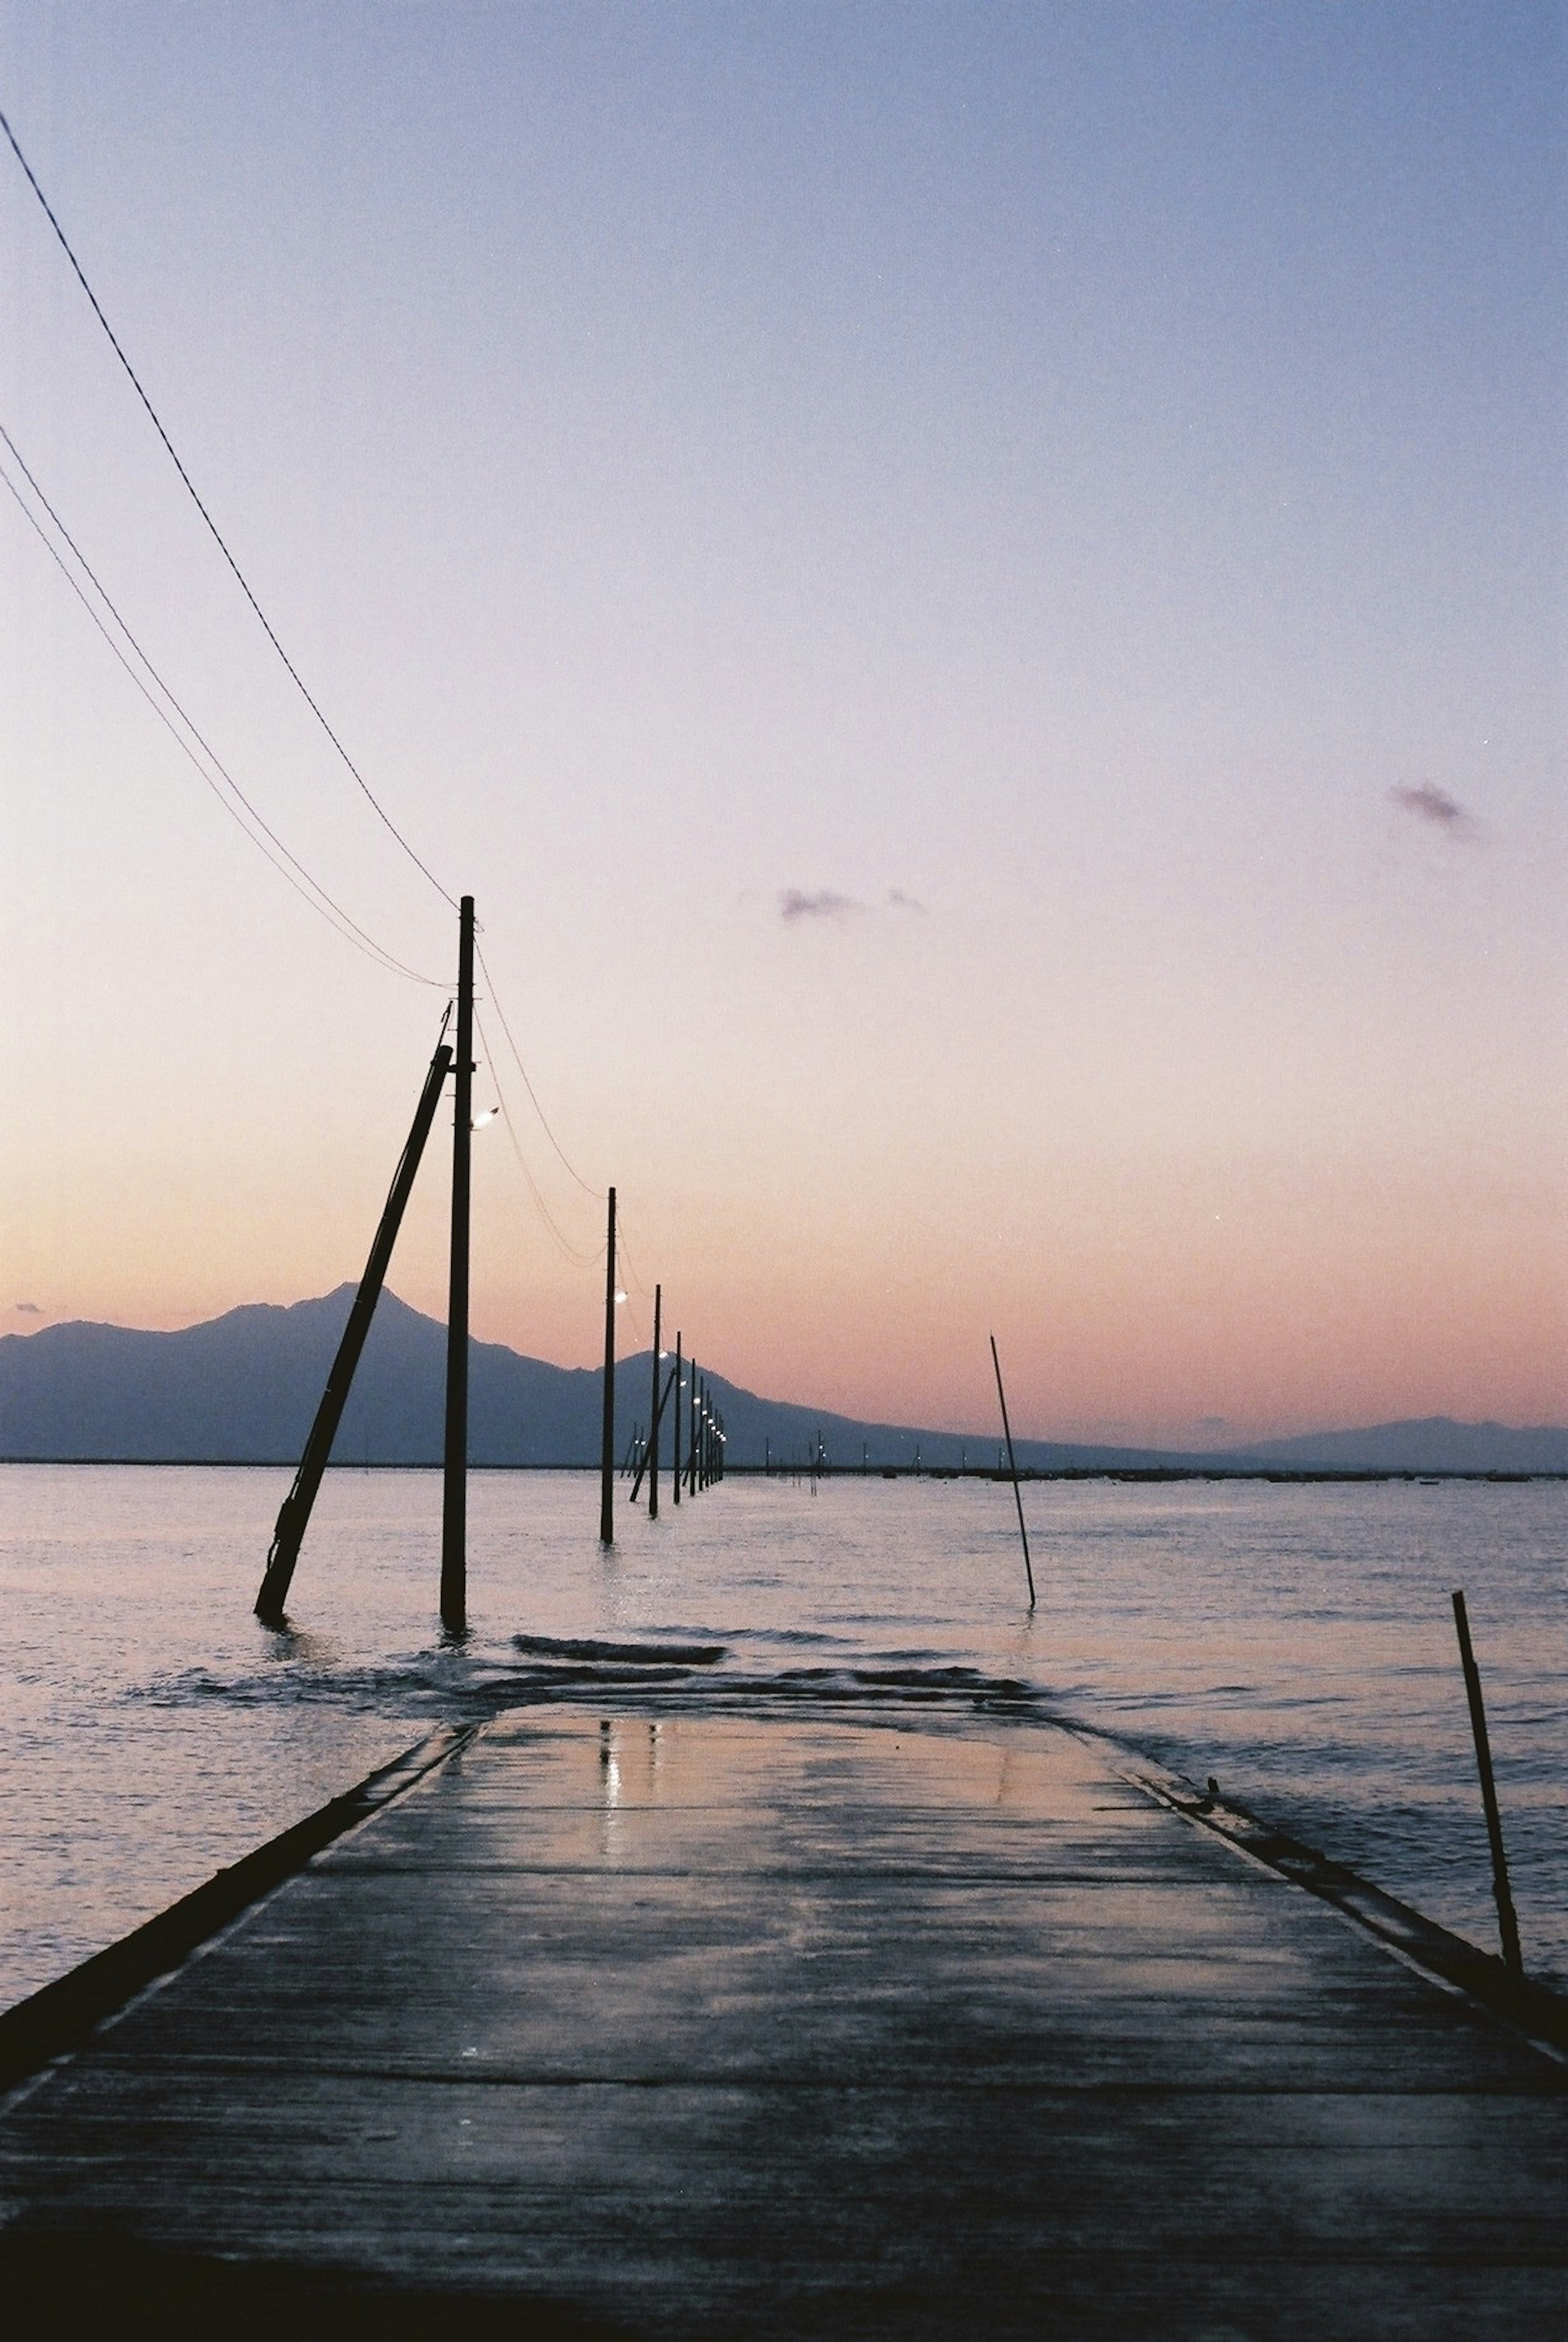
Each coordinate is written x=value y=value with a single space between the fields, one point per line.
x=1507 y=1922
x=1013 y=1468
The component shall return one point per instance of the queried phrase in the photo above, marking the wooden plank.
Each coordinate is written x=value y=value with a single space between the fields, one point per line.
x=721 y=2026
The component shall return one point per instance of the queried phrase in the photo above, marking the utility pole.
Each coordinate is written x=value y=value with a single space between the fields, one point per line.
x=653 y=1417
x=696 y=1412
x=294 y=1516
x=454 y=1488
x=607 y=1443
x=675 y=1443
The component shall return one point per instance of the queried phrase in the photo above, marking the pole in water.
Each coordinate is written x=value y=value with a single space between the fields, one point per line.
x=454 y=1483
x=653 y=1417
x=675 y=1442
x=607 y=1440
x=650 y=1446
x=294 y=1517
x=1013 y=1468
x=1507 y=1922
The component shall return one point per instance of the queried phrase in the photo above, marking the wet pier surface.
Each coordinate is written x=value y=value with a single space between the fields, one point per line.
x=720 y=2026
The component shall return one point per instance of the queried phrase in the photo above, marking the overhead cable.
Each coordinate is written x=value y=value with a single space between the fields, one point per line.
x=211 y=526
x=568 y=1249
x=307 y=887
x=598 y=1194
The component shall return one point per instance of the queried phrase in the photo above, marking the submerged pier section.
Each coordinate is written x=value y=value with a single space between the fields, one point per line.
x=721 y=2027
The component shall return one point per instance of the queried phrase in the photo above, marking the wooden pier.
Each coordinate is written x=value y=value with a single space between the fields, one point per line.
x=724 y=2026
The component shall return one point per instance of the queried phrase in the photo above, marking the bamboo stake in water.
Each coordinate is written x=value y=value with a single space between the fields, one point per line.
x=1507 y=1923
x=1013 y=1468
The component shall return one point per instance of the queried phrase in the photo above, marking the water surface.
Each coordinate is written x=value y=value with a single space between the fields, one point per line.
x=1296 y=1641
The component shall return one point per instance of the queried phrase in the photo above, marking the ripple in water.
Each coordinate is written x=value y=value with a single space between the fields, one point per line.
x=1296 y=1641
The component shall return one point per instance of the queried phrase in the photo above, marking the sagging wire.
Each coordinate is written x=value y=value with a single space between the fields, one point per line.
x=598 y=1194
x=625 y=1251
x=309 y=889
x=568 y=1249
x=213 y=528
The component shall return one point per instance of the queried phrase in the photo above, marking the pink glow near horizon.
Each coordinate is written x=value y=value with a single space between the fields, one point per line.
x=980 y=604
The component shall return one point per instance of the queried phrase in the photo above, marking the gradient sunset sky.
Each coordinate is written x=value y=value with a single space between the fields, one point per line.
x=978 y=595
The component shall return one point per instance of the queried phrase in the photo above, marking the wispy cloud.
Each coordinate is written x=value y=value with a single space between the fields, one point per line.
x=795 y=903
x=1428 y=803
x=1212 y=1422
x=826 y=903
x=28 y=1309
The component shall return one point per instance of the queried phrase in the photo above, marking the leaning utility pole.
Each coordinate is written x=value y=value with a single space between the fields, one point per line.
x=294 y=1516
x=607 y=1437
x=454 y=1488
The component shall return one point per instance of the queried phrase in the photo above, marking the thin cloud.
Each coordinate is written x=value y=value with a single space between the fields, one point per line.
x=1213 y=1422
x=28 y=1309
x=900 y=901
x=795 y=903
x=1428 y=803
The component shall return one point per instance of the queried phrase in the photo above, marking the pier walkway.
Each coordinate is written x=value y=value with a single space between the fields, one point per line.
x=717 y=2025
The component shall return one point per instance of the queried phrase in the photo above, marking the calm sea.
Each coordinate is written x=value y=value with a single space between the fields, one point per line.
x=1297 y=1642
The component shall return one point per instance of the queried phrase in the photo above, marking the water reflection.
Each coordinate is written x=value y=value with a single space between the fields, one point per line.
x=1296 y=1641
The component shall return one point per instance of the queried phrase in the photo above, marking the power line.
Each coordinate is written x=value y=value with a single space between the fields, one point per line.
x=626 y=1250
x=320 y=901
x=211 y=526
x=597 y=1193
x=568 y=1249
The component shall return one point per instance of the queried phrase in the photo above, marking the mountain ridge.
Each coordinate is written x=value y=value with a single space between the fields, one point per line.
x=242 y=1387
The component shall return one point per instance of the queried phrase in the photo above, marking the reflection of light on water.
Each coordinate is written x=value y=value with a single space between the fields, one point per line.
x=125 y=1615
x=610 y=1783
x=610 y=1764
x=631 y=1757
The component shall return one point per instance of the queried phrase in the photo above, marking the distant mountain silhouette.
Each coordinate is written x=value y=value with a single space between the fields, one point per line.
x=1434 y=1443
x=242 y=1389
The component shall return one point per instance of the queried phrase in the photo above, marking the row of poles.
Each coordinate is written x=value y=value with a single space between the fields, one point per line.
x=693 y=1468
x=705 y=1463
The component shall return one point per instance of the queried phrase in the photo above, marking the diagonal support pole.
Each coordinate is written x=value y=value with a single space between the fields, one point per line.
x=1507 y=1919
x=294 y=1517
x=650 y=1450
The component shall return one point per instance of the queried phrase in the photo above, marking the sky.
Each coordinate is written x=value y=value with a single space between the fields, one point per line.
x=978 y=596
